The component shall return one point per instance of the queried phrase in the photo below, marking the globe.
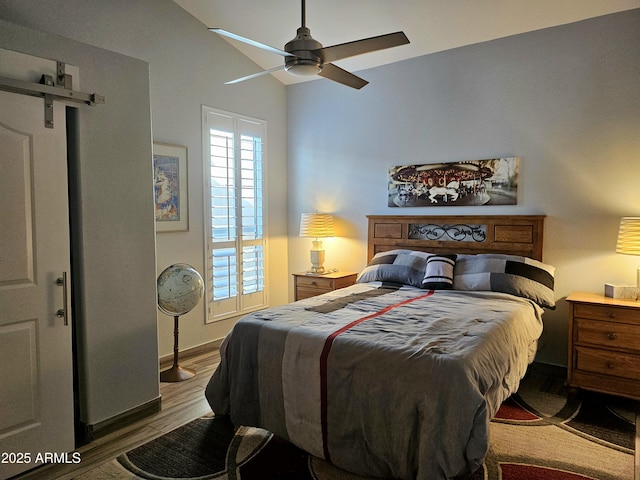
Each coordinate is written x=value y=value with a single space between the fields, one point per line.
x=180 y=288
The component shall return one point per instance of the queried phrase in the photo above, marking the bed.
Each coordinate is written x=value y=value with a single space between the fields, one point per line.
x=398 y=375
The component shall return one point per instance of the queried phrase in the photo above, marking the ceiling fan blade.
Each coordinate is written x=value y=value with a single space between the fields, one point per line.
x=358 y=47
x=337 y=74
x=253 y=43
x=259 y=74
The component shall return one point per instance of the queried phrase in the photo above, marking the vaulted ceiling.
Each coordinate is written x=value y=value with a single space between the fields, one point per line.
x=430 y=25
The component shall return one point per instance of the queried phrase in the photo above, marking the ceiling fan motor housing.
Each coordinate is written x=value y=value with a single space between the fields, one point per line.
x=305 y=62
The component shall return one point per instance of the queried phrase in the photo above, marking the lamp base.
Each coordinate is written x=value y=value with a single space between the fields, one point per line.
x=317 y=258
x=176 y=374
x=312 y=272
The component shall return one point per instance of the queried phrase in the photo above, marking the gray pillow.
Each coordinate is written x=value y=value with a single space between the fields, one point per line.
x=520 y=276
x=406 y=267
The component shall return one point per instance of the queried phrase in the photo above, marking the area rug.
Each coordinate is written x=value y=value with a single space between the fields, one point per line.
x=208 y=448
x=540 y=433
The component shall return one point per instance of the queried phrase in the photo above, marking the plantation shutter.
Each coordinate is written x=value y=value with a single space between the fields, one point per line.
x=235 y=231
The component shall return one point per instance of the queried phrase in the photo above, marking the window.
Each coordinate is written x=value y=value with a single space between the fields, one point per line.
x=234 y=165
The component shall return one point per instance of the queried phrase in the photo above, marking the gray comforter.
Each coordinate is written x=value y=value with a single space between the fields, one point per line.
x=381 y=381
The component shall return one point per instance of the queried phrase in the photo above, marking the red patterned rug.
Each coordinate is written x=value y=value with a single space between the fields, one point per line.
x=541 y=433
x=538 y=434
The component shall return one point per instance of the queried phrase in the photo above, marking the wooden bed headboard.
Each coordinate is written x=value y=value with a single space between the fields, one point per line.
x=464 y=234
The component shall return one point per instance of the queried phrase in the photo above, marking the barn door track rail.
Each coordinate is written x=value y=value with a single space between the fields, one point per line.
x=51 y=89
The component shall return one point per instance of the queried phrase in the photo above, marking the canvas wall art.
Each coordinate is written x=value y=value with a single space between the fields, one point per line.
x=491 y=181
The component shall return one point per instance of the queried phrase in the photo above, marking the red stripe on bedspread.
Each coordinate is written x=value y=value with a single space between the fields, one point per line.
x=324 y=361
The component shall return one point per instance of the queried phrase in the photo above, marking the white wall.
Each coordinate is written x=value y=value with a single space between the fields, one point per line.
x=168 y=65
x=566 y=100
x=188 y=67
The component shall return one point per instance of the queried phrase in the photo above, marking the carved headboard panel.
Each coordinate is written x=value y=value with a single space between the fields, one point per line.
x=512 y=234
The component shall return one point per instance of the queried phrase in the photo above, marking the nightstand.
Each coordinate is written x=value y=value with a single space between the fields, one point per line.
x=307 y=285
x=604 y=344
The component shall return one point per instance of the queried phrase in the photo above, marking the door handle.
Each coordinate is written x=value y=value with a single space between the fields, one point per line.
x=64 y=311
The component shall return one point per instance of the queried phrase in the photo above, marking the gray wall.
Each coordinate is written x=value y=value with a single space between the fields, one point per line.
x=566 y=100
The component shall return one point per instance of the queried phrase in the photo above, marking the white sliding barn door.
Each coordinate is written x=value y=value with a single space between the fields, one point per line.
x=36 y=373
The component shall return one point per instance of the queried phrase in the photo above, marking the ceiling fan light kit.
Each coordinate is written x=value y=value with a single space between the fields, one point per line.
x=305 y=56
x=303 y=69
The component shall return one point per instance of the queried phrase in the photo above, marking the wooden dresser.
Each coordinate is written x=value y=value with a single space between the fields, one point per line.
x=311 y=285
x=604 y=344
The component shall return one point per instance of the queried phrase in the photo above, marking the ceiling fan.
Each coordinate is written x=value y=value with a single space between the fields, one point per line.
x=306 y=56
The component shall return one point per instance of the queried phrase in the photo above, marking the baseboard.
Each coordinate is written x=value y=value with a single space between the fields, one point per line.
x=87 y=433
x=167 y=360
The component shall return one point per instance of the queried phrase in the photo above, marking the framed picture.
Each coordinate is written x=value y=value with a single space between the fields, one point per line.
x=492 y=181
x=170 y=187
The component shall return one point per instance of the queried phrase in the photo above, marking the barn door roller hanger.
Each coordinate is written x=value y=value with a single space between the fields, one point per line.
x=51 y=90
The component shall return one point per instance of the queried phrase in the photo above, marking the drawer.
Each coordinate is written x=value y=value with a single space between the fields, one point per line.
x=605 y=384
x=607 y=334
x=302 y=293
x=313 y=282
x=344 y=281
x=623 y=365
x=606 y=312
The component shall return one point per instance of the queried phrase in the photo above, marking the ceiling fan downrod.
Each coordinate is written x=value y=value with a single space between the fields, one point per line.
x=303 y=61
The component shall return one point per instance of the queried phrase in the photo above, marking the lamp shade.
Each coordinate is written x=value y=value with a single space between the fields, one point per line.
x=629 y=236
x=316 y=225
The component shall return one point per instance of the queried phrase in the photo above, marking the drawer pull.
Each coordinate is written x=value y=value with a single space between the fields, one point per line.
x=612 y=336
x=610 y=366
x=612 y=315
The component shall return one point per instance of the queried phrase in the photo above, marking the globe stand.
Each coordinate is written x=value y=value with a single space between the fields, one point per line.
x=180 y=287
x=176 y=373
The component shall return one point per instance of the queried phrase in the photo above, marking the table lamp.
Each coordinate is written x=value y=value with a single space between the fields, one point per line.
x=629 y=239
x=316 y=225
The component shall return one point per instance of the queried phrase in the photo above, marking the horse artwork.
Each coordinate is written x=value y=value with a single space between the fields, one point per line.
x=450 y=189
x=475 y=182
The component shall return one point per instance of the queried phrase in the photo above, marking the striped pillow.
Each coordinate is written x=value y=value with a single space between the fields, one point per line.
x=520 y=276
x=439 y=272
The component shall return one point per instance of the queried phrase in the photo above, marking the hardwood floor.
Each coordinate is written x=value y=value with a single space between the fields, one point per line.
x=181 y=403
